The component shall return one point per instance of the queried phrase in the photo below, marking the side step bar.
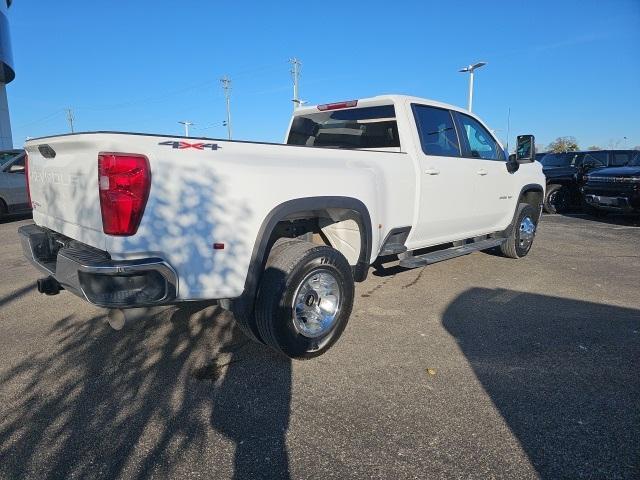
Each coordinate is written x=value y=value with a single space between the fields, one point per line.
x=440 y=255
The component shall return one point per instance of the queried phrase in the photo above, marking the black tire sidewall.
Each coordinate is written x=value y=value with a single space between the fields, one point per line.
x=289 y=340
x=555 y=192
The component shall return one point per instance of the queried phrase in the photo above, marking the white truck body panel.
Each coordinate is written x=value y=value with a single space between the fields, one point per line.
x=203 y=196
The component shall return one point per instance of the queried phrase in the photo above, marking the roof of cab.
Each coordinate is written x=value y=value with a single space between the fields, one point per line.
x=386 y=100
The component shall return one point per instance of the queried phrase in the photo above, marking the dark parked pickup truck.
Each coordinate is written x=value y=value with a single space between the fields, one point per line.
x=566 y=172
x=614 y=189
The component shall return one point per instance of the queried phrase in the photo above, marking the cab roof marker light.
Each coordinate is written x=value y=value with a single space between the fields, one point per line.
x=338 y=105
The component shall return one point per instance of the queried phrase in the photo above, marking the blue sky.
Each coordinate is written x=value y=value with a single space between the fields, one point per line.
x=563 y=67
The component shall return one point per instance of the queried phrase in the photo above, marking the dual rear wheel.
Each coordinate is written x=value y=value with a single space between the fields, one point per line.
x=304 y=299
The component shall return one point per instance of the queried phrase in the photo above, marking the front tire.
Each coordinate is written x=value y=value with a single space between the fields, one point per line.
x=305 y=299
x=522 y=233
x=557 y=199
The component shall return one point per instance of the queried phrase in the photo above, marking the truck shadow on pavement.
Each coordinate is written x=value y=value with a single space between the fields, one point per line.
x=610 y=219
x=562 y=373
x=138 y=403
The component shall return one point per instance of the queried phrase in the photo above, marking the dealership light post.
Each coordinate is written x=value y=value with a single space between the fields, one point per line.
x=470 y=69
x=186 y=124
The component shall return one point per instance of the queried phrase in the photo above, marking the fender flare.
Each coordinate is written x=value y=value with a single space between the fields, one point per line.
x=264 y=242
x=530 y=187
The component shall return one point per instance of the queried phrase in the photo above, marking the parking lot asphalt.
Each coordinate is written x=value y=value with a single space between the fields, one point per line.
x=479 y=367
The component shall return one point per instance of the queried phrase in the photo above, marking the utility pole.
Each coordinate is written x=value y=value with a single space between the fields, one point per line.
x=70 y=118
x=226 y=86
x=295 y=73
x=186 y=124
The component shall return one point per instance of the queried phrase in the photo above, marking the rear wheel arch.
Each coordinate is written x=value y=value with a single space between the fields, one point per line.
x=307 y=208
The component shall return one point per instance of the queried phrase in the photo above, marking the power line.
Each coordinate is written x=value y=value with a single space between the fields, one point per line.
x=226 y=86
x=43 y=119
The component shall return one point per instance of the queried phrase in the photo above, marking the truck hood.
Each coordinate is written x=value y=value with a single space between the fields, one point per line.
x=555 y=172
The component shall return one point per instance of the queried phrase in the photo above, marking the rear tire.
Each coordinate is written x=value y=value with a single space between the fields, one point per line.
x=522 y=233
x=557 y=199
x=305 y=299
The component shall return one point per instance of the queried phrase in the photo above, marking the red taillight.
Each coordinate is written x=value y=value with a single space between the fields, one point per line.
x=338 y=105
x=124 y=181
x=26 y=174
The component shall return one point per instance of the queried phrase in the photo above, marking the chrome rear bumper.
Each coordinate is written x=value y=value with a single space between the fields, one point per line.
x=92 y=275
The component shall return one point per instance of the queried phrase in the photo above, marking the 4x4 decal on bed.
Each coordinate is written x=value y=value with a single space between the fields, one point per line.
x=182 y=145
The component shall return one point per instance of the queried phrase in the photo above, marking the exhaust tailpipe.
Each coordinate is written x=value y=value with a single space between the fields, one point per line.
x=49 y=286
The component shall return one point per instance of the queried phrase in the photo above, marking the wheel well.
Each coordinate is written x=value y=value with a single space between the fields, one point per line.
x=3 y=206
x=533 y=196
x=339 y=228
x=306 y=217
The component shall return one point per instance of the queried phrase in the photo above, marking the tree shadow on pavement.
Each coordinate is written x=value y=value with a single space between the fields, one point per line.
x=562 y=373
x=146 y=401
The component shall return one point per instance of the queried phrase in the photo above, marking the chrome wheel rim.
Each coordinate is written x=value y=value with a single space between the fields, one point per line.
x=527 y=232
x=316 y=303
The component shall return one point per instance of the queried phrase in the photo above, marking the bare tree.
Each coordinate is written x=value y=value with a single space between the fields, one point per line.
x=563 y=144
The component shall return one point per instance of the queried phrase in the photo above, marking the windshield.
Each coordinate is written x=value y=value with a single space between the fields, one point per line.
x=6 y=157
x=558 y=159
x=367 y=127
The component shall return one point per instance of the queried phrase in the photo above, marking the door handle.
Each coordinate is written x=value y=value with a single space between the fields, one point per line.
x=482 y=172
x=432 y=171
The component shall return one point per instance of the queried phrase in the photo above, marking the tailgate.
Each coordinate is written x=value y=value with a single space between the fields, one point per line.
x=63 y=182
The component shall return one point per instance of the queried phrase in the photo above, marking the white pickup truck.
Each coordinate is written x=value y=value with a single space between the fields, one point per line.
x=276 y=233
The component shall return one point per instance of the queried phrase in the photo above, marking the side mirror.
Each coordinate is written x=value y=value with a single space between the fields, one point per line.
x=526 y=149
x=16 y=169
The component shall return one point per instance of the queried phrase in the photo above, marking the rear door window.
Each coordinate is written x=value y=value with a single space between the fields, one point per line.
x=437 y=131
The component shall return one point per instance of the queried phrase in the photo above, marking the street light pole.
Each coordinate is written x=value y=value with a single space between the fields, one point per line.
x=186 y=127
x=470 y=69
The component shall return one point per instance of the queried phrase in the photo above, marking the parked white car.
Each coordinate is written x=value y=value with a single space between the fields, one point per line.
x=276 y=233
x=13 y=183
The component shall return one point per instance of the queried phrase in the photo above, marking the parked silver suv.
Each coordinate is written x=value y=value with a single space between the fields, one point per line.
x=13 y=184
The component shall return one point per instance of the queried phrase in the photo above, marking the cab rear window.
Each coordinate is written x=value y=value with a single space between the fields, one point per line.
x=354 y=128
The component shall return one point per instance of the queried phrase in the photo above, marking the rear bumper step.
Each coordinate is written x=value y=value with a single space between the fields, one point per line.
x=441 y=255
x=92 y=275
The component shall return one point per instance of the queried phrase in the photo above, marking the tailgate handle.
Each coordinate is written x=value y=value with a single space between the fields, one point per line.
x=46 y=151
